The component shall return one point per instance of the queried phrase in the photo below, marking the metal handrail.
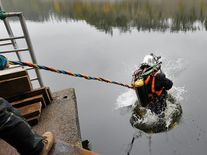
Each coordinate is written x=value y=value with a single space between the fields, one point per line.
x=13 y=38
x=5 y=44
x=13 y=14
x=15 y=50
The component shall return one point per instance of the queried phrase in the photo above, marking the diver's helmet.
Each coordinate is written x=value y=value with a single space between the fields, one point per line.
x=149 y=60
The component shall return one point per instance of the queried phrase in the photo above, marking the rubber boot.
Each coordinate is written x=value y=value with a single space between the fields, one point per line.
x=48 y=141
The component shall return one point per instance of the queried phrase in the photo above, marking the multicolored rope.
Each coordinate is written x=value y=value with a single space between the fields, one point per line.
x=68 y=73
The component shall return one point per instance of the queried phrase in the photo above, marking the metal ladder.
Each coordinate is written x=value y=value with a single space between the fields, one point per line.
x=12 y=42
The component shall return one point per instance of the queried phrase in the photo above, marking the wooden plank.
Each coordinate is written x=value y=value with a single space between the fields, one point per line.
x=14 y=86
x=40 y=91
x=49 y=93
x=34 y=120
x=28 y=101
x=12 y=73
x=31 y=110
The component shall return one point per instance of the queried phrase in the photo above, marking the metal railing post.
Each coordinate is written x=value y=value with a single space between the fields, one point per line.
x=12 y=38
x=0 y=5
x=10 y=33
x=30 y=47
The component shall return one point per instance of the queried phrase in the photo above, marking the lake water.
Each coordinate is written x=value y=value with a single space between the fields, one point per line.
x=109 y=39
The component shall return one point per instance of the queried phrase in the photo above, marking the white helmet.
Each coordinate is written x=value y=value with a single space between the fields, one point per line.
x=149 y=60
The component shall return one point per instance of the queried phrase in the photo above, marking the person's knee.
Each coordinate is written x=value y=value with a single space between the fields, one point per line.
x=19 y=134
x=4 y=118
x=5 y=105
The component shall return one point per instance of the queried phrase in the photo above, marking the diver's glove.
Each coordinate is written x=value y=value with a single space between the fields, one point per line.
x=138 y=83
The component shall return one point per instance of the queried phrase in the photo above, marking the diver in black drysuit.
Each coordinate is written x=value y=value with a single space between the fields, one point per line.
x=154 y=93
x=157 y=104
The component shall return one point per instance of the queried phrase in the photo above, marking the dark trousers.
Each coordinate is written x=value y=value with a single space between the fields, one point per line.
x=17 y=132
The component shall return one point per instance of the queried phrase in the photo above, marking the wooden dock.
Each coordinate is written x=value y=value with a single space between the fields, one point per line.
x=56 y=112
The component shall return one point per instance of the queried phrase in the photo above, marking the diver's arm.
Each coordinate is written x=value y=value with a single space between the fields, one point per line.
x=164 y=82
x=167 y=84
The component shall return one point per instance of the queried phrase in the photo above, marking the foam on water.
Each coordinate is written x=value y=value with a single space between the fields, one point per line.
x=126 y=99
x=172 y=69
x=149 y=118
x=178 y=92
x=143 y=119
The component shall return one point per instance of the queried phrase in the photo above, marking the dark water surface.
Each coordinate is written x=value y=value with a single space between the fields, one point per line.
x=108 y=39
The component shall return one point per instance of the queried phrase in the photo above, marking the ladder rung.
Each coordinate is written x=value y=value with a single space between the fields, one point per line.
x=29 y=68
x=12 y=38
x=34 y=79
x=17 y=66
x=5 y=44
x=14 y=66
x=12 y=14
x=15 y=50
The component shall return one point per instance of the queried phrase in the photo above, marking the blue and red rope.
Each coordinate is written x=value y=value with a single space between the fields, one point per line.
x=68 y=73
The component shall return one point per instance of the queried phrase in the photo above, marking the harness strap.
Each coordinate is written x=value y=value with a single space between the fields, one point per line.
x=147 y=79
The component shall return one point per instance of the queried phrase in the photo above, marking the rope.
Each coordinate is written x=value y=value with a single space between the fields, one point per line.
x=2 y=15
x=68 y=73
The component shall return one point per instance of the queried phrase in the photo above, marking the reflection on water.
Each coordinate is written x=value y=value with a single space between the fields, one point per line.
x=162 y=15
x=138 y=135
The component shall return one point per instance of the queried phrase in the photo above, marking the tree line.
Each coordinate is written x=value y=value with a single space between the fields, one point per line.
x=150 y=15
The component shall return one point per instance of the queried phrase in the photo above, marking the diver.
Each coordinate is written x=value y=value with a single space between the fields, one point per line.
x=151 y=84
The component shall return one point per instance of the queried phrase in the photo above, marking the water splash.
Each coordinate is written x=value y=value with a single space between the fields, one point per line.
x=126 y=99
x=173 y=68
x=129 y=100
x=143 y=119
x=178 y=93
